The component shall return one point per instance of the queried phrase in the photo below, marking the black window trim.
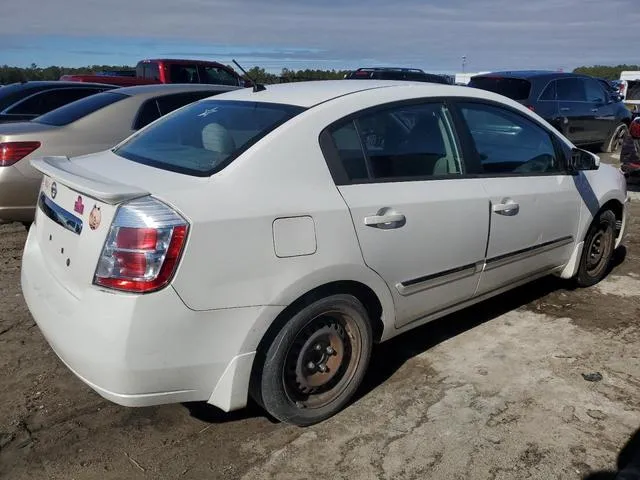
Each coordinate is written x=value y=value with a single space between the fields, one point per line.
x=48 y=90
x=542 y=90
x=134 y=124
x=559 y=147
x=470 y=161
x=295 y=109
x=334 y=163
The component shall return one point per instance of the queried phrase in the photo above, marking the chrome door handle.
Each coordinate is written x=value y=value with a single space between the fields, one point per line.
x=386 y=220
x=594 y=110
x=508 y=208
x=565 y=109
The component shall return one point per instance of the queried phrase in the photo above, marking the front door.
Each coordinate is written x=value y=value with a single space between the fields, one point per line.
x=603 y=120
x=574 y=109
x=421 y=226
x=534 y=203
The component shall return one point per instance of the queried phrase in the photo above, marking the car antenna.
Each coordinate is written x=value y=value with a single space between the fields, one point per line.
x=257 y=87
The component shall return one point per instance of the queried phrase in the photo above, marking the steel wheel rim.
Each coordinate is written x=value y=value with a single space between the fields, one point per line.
x=598 y=250
x=322 y=360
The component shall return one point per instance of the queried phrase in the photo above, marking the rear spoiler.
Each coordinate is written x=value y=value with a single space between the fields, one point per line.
x=86 y=182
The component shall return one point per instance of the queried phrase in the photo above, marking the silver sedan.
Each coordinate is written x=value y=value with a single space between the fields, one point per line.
x=89 y=125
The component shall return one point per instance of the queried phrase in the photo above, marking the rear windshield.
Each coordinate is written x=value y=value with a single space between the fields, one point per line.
x=80 y=108
x=514 y=88
x=10 y=94
x=633 y=90
x=204 y=137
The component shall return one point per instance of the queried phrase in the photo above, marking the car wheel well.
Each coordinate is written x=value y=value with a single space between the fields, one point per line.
x=359 y=290
x=616 y=207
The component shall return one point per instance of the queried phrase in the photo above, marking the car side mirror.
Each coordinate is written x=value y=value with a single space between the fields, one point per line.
x=583 y=160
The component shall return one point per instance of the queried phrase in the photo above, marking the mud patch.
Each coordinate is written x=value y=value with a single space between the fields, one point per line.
x=622 y=286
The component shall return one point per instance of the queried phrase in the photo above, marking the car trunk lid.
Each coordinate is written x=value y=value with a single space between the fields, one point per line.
x=77 y=203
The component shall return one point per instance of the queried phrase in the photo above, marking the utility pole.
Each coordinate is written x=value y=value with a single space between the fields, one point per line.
x=464 y=62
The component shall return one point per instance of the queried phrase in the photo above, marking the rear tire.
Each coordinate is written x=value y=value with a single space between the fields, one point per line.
x=316 y=362
x=614 y=143
x=598 y=250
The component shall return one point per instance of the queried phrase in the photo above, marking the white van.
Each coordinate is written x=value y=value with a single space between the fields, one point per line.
x=630 y=88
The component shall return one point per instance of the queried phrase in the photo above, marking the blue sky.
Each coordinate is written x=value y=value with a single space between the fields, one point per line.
x=430 y=34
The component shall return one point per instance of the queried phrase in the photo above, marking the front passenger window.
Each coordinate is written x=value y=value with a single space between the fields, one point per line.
x=509 y=143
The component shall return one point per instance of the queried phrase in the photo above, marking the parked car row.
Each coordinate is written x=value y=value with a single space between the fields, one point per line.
x=257 y=244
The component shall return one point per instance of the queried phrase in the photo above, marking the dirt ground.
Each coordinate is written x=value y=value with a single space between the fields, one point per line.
x=494 y=392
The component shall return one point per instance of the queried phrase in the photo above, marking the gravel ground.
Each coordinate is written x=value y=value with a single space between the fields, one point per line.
x=494 y=392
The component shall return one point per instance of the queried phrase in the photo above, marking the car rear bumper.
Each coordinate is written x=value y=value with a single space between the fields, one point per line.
x=139 y=350
x=18 y=195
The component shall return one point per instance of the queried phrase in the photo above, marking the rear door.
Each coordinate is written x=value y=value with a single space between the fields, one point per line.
x=574 y=109
x=534 y=203
x=421 y=225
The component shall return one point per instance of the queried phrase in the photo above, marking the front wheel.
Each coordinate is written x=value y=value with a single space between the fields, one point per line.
x=614 y=143
x=598 y=250
x=317 y=361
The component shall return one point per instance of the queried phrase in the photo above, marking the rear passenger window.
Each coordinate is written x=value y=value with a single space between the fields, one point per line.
x=509 y=143
x=571 y=90
x=549 y=93
x=148 y=112
x=404 y=142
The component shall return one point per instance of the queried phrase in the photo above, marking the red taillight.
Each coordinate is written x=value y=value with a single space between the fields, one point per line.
x=137 y=257
x=11 y=152
x=137 y=238
x=634 y=129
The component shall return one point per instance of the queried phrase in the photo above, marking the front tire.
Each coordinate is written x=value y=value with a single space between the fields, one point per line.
x=317 y=361
x=614 y=143
x=598 y=250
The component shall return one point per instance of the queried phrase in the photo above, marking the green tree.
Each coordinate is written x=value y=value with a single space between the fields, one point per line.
x=605 y=71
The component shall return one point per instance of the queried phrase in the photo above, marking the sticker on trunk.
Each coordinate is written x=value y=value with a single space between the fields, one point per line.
x=78 y=206
x=95 y=217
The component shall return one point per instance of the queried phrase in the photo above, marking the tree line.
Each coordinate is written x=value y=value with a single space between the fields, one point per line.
x=10 y=74
x=605 y=71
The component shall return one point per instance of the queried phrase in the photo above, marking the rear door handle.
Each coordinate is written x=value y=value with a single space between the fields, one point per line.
x=385 y=220
x=507 y=208
x=565 y=109
x=594 y=110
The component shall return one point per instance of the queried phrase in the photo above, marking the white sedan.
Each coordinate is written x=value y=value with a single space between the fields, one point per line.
x=260 y=242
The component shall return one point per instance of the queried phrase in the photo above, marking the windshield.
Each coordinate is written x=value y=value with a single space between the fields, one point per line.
x=204 y=137
x=80 y=108
x=514 y=88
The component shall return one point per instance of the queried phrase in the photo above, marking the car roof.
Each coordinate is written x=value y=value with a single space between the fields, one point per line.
x=157 y=88
x=181 y=61
x=529 y=74
x=389 y=69
x=56 y=83
x=309 y=94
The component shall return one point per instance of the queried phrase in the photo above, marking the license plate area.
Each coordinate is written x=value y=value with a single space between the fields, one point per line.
x=59 y=215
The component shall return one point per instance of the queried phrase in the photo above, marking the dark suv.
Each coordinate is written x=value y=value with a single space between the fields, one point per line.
x=577 y=105
x=389 y=73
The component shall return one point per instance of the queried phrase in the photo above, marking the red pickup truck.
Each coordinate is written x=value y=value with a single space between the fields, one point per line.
x=169 y=71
